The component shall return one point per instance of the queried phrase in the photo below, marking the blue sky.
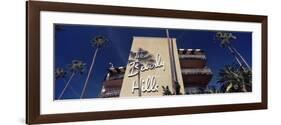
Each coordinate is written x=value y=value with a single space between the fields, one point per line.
x=73 y=42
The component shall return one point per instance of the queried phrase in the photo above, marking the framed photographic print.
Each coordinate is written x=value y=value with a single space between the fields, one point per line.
x=93 y=62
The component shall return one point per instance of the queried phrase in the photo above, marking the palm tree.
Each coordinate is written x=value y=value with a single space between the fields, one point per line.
x=75 y=67
x=225 y=41
x=97 y=43
x=239 y=54
x=234 y=79
x=177 y=88
x=60 y=73
x=140 y=57
x=166 y=90
x=246 y=78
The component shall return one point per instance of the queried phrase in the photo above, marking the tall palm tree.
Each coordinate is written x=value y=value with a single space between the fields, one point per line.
x=234 y=79
x=60 y=73
x=97 y=43
x=140 y=57
x=75 y=67
x=225 y=41
x=239 y=54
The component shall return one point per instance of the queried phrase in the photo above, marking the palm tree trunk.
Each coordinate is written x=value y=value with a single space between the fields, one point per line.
x=70 y=78
x=243 y=59
x=239 y=62
x=89 y=73
x=72 y=89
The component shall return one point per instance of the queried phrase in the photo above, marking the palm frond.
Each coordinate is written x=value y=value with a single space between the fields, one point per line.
x=98 y=41
x=233 y=78
x=225 y=38
x=60 y=73
x=77 y=66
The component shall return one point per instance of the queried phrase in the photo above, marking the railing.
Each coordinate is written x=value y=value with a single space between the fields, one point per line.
x=115 y=77
x=192 y=57
x=206 y=71
x=194 y=90
x=111 y=93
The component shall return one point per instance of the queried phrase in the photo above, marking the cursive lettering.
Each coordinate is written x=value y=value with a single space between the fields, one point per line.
x=148 y=85
x=135 y=68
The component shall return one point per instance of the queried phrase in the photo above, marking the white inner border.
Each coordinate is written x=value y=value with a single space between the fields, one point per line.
x=48 y=106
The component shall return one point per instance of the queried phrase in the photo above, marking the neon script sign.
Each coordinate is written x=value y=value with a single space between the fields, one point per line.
x=135 y=67
x=149 y=84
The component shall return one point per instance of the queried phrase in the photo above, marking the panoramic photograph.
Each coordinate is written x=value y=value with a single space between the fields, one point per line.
x=93 y=61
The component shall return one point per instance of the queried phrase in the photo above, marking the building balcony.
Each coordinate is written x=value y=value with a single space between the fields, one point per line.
x=111 y=93
x=108 y=84
x=196 y=77
x=192 y=63
x=115 y=77
x=183 y=57
x=199 y=71
x=190 y=52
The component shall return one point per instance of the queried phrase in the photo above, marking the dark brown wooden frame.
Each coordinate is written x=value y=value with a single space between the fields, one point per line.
x=33 y=9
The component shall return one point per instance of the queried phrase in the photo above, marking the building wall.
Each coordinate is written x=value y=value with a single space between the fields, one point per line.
x=163 y=76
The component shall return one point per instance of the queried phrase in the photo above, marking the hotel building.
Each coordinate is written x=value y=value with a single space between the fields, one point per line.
x=190 y=71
